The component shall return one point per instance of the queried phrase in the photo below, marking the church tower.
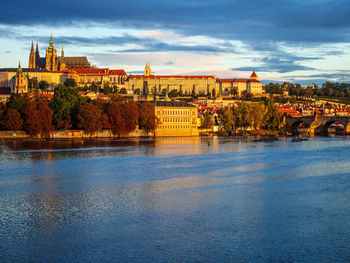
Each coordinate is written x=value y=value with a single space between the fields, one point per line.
x=32 y=58
x=37 y=55
x=148 y=71
x=21 y=83
x=51 y=57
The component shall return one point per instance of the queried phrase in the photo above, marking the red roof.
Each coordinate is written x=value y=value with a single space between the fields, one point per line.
x=253 y=74
x=117 y=72
x=170 y=76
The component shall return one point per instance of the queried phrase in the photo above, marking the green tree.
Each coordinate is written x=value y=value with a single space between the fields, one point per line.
x=44 y=85
x=137 y=91
x=257 y=113
x=213 y=93
x=272 y=119
x=70 y=83
x=123 y=91
x=65 y=104
x=18 y=102
x=227 y=119
x=33 y=84
x=206 y=121
x=173 y=93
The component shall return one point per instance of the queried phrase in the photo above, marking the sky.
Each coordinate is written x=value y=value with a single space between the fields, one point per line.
x=282 y=40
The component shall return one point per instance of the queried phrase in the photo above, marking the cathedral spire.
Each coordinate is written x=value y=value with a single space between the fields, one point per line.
x=32 y=49
x=19 y=69
x=62 y=52
x=51 y=44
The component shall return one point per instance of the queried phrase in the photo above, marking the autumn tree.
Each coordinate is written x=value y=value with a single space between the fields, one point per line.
x=206 y=121
x=147 y=117
x=89 y=117
x=11 y=120
x=115 y=117
x=38 y=118
x=257 y=113
x=130 y=114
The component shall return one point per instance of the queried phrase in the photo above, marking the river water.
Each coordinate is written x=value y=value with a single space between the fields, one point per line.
x=175 y=200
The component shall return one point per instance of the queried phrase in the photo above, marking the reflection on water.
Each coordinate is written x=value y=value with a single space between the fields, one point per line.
x=175 y=199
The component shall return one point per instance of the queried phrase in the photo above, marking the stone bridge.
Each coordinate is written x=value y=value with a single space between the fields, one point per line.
x=314 y=124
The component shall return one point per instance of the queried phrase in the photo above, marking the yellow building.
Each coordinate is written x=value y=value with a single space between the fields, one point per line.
x=152 y=84
x=176 y=119
x=251 y=85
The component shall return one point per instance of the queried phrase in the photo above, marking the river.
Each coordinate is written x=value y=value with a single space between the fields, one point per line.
x=175 y=200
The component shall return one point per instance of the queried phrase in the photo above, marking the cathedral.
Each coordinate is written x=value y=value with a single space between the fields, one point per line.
x=52 y=62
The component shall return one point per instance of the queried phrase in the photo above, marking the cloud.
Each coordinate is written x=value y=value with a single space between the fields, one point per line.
x=314 y=21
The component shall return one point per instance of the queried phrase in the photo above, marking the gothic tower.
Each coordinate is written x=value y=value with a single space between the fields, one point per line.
x=148 y=71
x=32 y=58
x=37 y=55
x=51 y=57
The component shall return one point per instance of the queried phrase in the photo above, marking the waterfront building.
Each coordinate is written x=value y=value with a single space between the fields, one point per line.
x=187 y=85
x=176 y=119
x=53 y=62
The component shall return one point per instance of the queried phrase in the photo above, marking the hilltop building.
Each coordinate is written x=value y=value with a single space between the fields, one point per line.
x=155 y=84
x=52 y=62
x=252 y=85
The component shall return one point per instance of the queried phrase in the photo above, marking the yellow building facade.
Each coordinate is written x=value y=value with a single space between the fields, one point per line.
x=176 y=119
x=251 y=85
x=152 y=84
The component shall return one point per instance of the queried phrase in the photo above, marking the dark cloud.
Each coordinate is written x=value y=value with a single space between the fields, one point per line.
x=169 y=63
x=316 y=21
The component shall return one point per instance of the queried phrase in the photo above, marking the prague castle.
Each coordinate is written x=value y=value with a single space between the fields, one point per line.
x=52 y=62
x=56 y=69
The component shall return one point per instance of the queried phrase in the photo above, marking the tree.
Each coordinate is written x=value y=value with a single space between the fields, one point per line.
x=147 y=117
x=115 y=117
x=130 y=115
x=193 y=93
x=213 y=93
x=12 y=120
x=257 y=112
x=206 y=121
x=70 y=83
x=164 y=92
x=227 y=120
x=89 y=117
x=272 y=119
x=234 y=91
x=123 y=91
x=65 y=104
x=173 y=93
x=94 y=87
x=38 y=118
x=33 y=84
x=137 y=91
x=242 y=116
x=44 y=85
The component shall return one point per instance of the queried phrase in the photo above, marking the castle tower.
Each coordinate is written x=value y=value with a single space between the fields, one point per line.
x=37 y=55
x=62 y=52
x=21 y=83
x=51 y=57
x=32 y=58
x=148 y=71
x=254 y=76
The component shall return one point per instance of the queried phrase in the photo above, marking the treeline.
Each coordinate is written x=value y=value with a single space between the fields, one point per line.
x=328 y=89
x=68 y=110
x=253 y=115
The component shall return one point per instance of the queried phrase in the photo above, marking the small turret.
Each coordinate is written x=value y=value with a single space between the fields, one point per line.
x=254 y=76
x=51 y=47
x=62 y=52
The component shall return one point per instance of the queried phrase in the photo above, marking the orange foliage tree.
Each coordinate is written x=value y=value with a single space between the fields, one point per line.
x=38 y=118
x=12 y=120
x=89 y=117
x=147 y=117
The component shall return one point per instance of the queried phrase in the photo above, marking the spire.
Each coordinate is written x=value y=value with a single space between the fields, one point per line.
x=32 y=49
x=62 y=52
x=37 y=47
x=19 y=69
x=51 y=44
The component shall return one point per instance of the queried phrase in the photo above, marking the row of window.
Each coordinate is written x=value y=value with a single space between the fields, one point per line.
x=175 y=127
x=176 y=119
x=175 y=112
